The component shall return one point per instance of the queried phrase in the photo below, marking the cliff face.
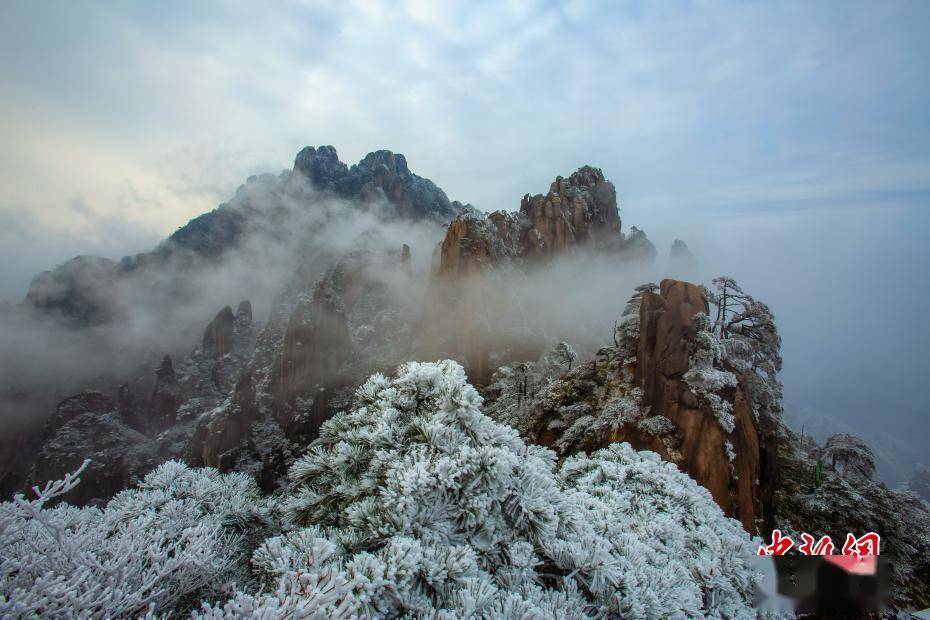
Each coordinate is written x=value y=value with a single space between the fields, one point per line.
x=248 y=394
x=473 y=243
x=88 y=426
x=636 y=392
x=217 y=338
x=165 y=397
x=576 y=211
x=381 y=176
x=666 y=328
x=301 y=367
x=311 y=364
x=79 y=291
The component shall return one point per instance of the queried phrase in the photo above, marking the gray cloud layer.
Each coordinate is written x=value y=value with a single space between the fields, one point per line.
x=788 y=142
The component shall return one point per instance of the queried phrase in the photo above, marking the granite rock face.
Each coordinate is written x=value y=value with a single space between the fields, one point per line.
x=321 y=166
x=88 y=426
x=380 y=177
x=166 y=397
x=300 y=368
x=249 y=393
x=316 y=347
x=217 y=338
x=666 y=328
x=636 y=392
x=74 y=406
x=80 y=292
x=682 y=263
x=576 y=212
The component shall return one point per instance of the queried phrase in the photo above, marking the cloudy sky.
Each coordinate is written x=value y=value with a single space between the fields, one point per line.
x=788 y=142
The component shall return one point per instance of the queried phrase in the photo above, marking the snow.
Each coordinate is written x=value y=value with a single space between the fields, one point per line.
x=412 y=503
x=181 y=534
x=416 y=502
x=731 y=453
x=580 y=423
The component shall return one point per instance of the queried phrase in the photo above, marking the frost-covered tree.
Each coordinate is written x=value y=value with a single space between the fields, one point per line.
x=579 y=422
x=636 y=299
x=726 y=296
x=558 y=359
x=180 y=535
x=681 y=556
x=706 y=375
x=751 y=344
x=515 y=389
x=626 y=328
x=416 y=503
x=847 y=454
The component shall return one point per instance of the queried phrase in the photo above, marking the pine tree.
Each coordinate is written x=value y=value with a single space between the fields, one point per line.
x=417 y=503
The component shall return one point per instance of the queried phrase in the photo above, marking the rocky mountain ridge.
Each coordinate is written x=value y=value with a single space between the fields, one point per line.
x=79 y=292
x=328 y=328
x=636 y=392
x=578 y=212
x=251 y=393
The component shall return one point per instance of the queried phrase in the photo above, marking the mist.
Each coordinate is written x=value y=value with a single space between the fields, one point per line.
x=788 y=144
x=845 y=279
x=842 y=278
x=291 y=238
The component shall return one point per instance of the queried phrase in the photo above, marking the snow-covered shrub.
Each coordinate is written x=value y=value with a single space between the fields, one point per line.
x=680 y=556
x=626 y=329
x=731 y=453
x=845 y=500
x=705 y=377
x=516 y=389
x=415 y=502
x=181 y=534
x=657 y=425
x=580 y=423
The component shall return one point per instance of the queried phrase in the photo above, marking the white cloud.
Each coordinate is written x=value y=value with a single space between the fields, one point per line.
x=682 y=105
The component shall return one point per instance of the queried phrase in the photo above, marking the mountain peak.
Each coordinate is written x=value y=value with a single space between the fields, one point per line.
x=321 y=165
x=381 y=175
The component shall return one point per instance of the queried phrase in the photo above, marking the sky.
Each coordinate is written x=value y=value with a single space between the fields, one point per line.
x=787 y=142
